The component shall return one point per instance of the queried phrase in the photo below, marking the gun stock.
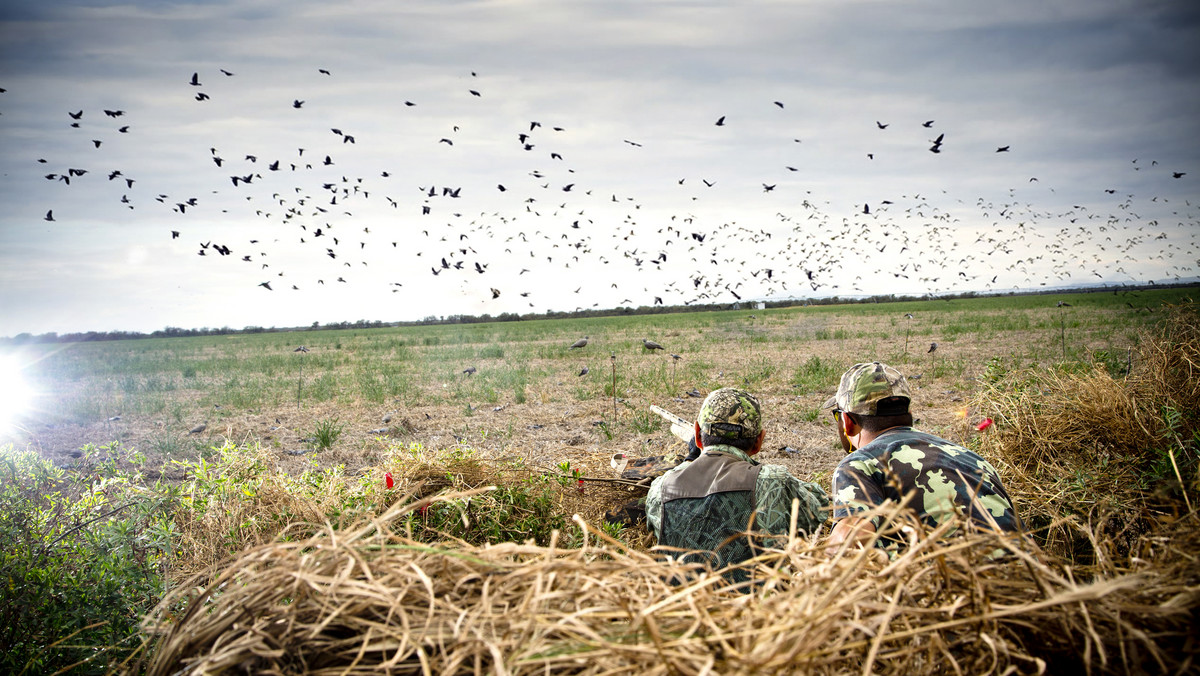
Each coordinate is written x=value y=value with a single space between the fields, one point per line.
x=680 y=427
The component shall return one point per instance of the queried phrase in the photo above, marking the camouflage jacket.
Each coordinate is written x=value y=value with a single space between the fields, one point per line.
x=774 y=490
x=943 y=478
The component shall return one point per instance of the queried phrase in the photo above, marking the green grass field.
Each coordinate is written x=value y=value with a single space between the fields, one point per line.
x=792 y=357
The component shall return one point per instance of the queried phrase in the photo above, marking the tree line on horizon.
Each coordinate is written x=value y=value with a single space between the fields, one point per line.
x=578 y=313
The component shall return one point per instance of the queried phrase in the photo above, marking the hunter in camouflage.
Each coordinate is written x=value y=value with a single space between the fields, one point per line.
x=889 y=460
x=707 y=505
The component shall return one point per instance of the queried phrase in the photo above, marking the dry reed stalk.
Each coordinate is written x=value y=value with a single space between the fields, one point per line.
x=371 y=601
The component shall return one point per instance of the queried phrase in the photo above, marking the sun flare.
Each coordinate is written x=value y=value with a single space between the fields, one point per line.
x=16 y=392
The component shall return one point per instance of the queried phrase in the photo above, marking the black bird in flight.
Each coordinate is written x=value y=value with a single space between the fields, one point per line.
x=297 y=103
x=880 y=124
x=927 y=124
x=225 y=72
x=721 y=121
x=267 y=286
x=323 y=71
x=1178 y=174
x=195 y=80
x=1002 y=149
x=75 y=116
x=49 y=215
x=495 y=294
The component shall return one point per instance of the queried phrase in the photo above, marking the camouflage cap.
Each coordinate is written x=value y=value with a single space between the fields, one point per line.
x=730 y=413
x=865 y=385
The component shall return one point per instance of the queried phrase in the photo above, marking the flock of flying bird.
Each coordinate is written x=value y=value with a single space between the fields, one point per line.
x=564 y=225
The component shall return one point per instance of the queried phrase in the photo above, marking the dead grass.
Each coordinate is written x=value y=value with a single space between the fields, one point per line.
x=1115 y=452
x=372 y=601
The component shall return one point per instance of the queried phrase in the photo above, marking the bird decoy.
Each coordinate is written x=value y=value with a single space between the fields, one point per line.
x=583 y=371
x=470 y=370
x=582 y=342
x=651 y=345
x=300 y=349
x=198 y=428
x=932 y=348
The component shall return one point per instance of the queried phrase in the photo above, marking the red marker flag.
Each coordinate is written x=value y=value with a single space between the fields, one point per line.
x=387 y=479
x=987 y=422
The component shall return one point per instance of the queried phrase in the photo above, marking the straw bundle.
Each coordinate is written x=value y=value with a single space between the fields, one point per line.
x=371 y=601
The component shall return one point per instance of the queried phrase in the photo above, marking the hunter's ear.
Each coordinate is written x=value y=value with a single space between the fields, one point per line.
x=699 y=444
x=758 y=443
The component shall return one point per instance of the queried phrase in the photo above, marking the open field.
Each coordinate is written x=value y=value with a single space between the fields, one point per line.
x=526 y=398
x=275 y=537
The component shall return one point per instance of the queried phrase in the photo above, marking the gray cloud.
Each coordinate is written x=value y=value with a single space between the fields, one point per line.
x=1077 y=89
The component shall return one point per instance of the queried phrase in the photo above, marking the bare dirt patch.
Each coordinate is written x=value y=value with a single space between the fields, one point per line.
x=568 y=418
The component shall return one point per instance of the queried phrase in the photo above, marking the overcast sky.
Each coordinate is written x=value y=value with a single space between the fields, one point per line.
x=820 y=181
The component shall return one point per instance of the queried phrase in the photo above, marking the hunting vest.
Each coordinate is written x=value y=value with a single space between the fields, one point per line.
x=707 y=505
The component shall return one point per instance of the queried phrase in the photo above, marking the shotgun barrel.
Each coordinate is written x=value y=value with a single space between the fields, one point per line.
x=680 y=427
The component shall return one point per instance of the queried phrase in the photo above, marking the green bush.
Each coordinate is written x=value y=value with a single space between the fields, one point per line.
x=508 y=514
x=81 y=562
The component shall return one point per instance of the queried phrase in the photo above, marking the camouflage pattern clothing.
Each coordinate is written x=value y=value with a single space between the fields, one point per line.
x=736 y=489
x=731 y=414
x=865 y=386
x=947 y=479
